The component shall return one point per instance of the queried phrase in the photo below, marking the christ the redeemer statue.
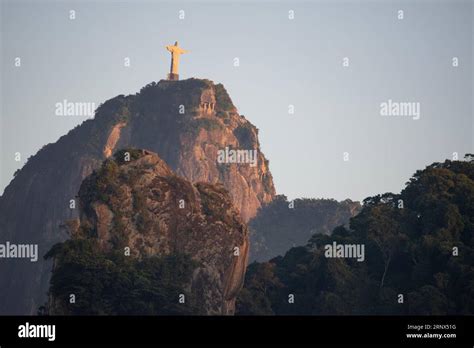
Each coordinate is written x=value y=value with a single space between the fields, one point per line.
x=175 y=53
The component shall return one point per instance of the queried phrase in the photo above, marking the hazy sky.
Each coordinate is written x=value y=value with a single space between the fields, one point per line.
x=282 y=62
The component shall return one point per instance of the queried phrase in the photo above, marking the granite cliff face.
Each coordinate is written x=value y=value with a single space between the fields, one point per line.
x=199 y=121
x=141 y=206
x=185 y=122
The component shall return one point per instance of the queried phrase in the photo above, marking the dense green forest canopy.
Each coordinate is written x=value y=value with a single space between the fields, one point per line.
x=419 y=256
x=116 y=284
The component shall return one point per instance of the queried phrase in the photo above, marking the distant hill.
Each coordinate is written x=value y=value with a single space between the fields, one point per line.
x=280 y=224
x=419 y=256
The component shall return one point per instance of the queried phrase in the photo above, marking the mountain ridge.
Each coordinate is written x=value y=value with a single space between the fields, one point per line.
x=185 y=122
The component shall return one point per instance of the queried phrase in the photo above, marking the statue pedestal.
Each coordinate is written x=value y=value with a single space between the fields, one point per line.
x=173 y=77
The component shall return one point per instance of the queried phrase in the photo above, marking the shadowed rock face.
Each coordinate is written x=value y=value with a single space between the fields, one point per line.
x=143 y=205
x=185 y=122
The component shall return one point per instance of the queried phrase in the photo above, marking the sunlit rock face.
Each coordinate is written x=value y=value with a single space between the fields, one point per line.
x=142 y=207
x=185 y=122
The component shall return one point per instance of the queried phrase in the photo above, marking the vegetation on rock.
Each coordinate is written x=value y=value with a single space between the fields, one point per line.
x=115 y=284
x=145 y=237
x=418 y=244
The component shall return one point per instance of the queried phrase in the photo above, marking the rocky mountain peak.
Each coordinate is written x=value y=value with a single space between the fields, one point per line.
x=188 y=123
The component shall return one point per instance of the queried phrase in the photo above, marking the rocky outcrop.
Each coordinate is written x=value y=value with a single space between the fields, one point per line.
x=185 y=122
x=142 y=205
x=199 y=124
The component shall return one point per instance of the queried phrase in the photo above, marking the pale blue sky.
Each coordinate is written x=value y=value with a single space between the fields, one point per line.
x=282 y=62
